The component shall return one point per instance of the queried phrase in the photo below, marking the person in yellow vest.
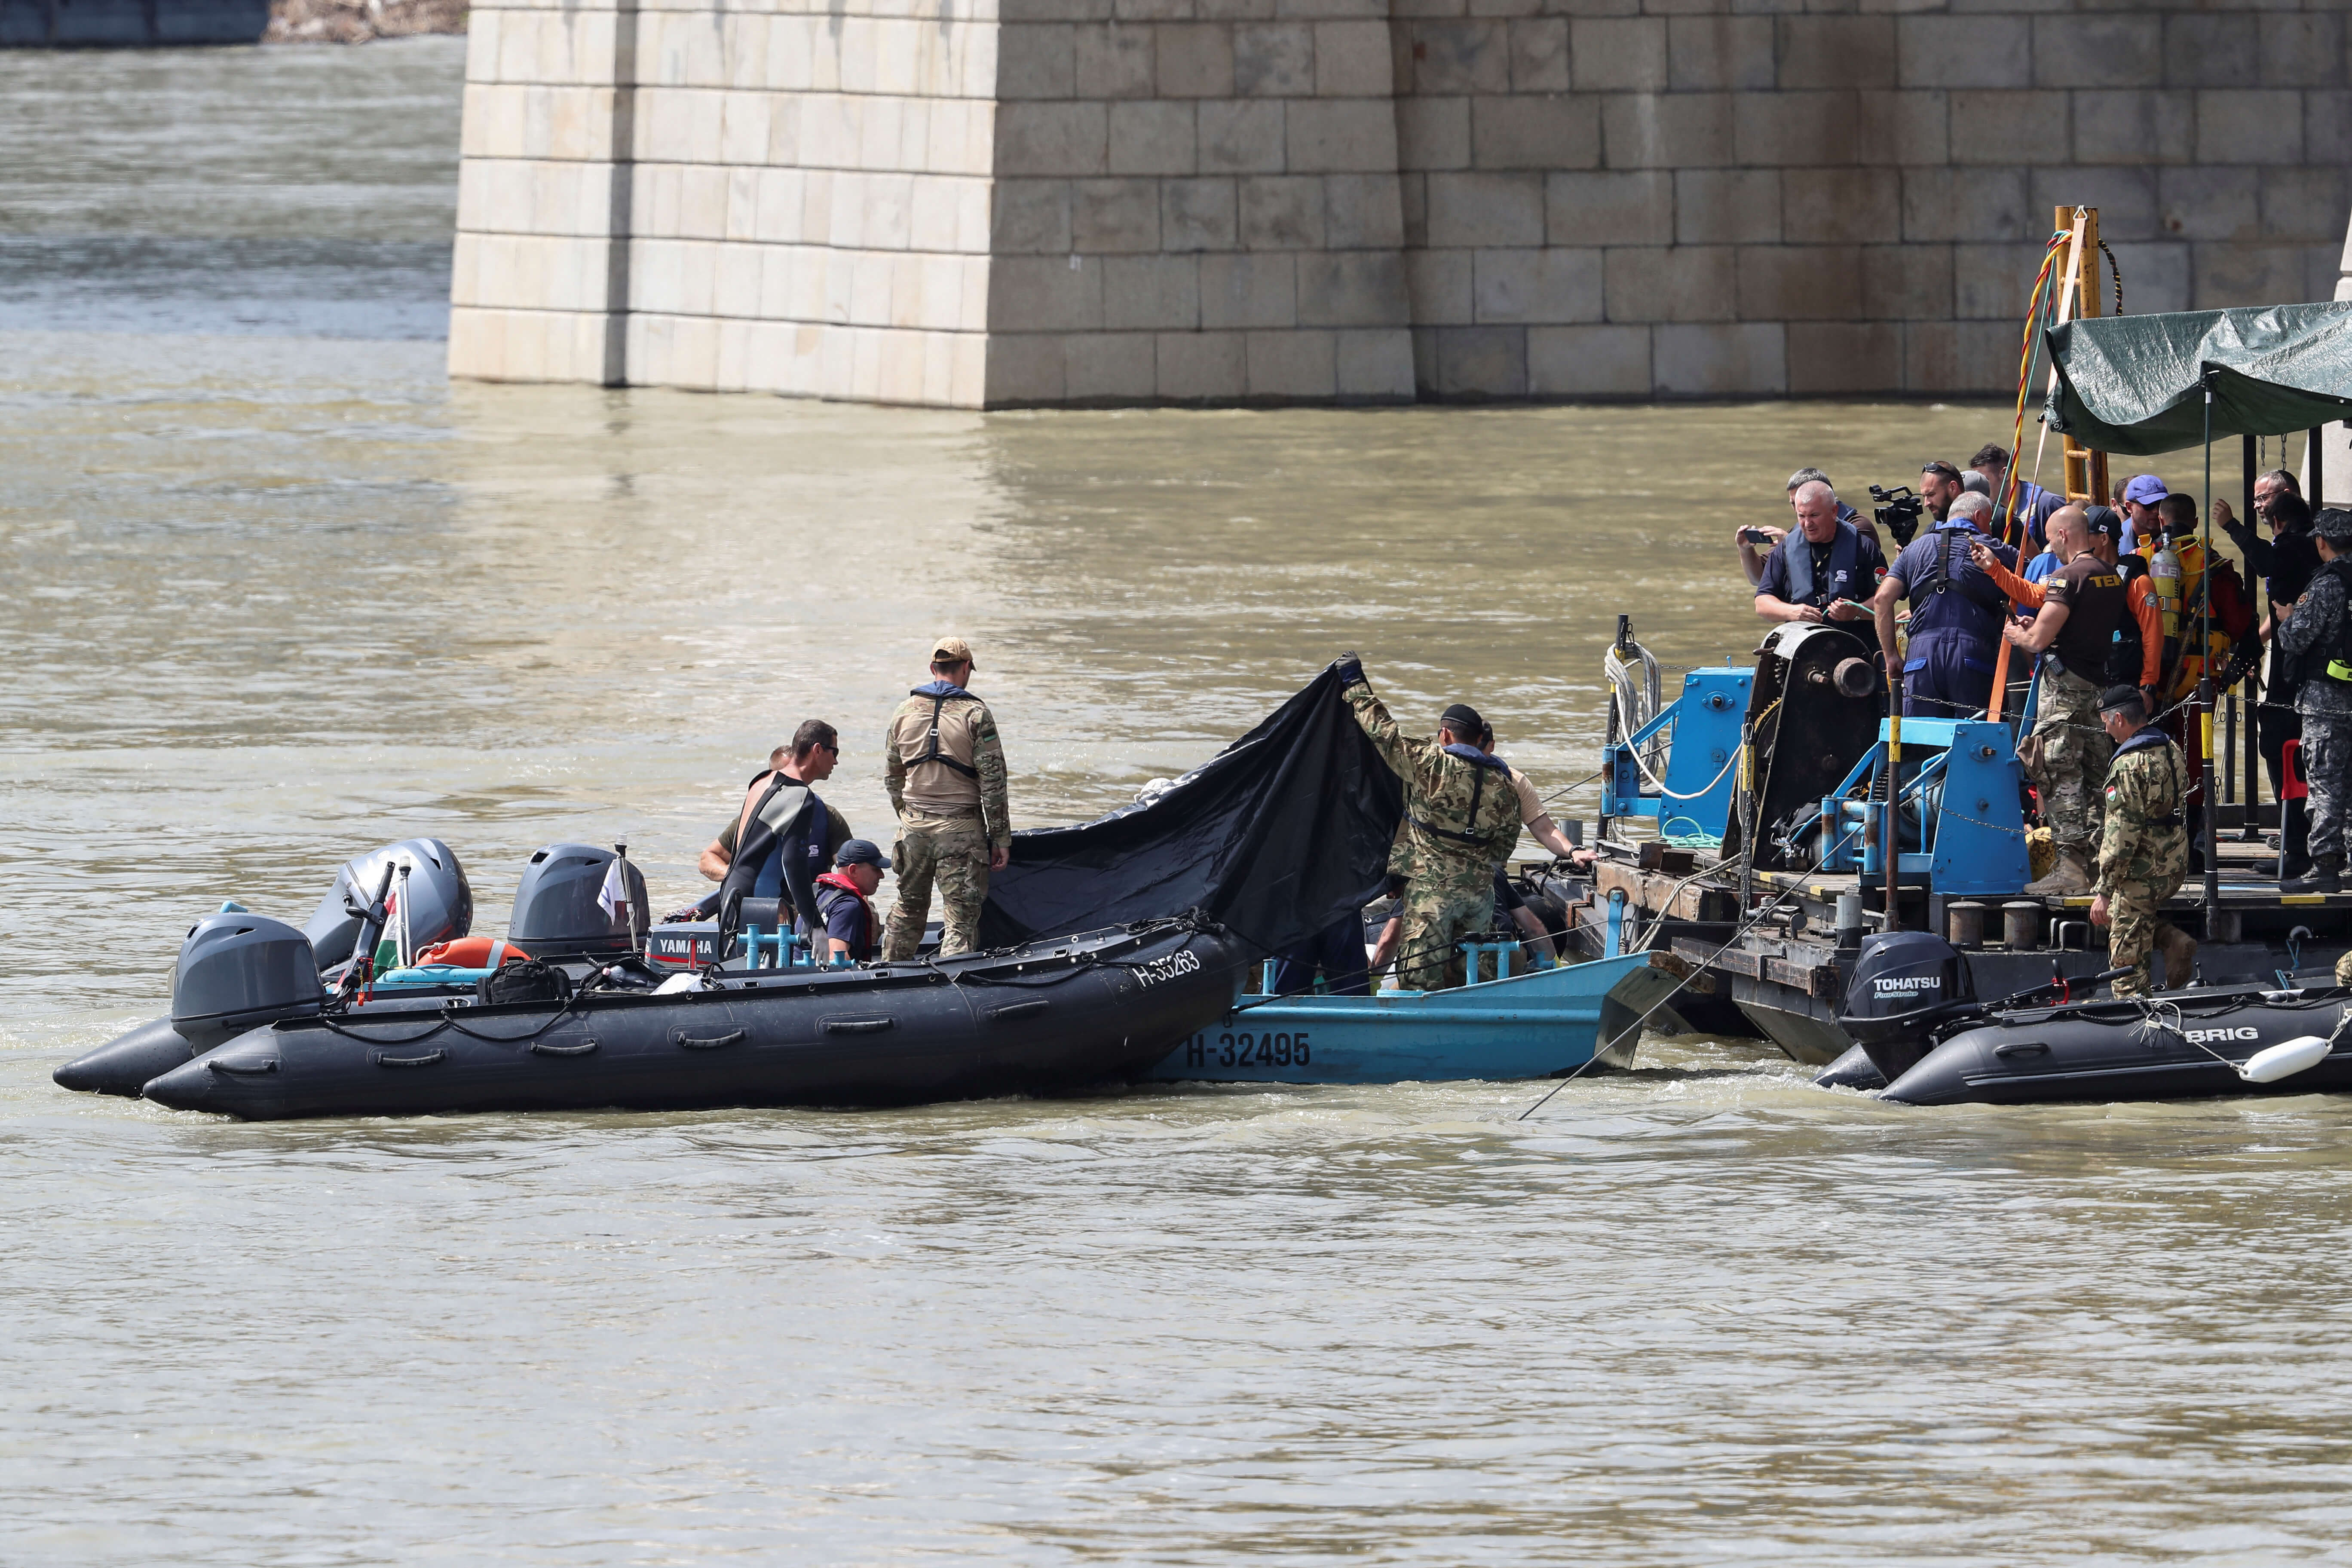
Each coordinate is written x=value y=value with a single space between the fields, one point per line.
x=944 y=768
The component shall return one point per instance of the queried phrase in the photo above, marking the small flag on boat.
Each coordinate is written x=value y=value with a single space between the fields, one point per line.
x=614 y=896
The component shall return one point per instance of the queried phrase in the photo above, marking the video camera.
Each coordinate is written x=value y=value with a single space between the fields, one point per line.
x=1898 y=511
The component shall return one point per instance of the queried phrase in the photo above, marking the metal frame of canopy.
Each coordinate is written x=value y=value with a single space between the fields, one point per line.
x=2313 y=343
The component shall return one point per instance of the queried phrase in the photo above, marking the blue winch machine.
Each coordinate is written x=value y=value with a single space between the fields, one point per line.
x=1692 y=801
x=1964 y=831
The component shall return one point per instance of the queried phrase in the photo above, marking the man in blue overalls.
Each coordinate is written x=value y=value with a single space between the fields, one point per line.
x=1956 y=614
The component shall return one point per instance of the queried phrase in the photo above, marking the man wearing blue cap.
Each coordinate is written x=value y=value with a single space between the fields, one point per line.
x=2141 y=525
x=845 y=903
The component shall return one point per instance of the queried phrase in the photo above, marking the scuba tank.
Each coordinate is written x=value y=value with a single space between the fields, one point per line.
x=2164 y=575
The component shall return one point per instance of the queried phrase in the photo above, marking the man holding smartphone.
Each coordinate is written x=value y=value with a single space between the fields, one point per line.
x=1825 y=571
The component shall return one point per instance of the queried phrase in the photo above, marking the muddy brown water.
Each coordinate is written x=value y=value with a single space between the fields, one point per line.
x=276 y=592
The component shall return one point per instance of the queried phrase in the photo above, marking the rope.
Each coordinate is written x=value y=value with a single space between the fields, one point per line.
x=1699 y=793
x=1744 y=927
x=2036 y=306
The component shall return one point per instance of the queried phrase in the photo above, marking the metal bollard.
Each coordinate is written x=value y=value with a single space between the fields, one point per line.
x=1849 y=919
x=1964 y=923
x=2021 y=925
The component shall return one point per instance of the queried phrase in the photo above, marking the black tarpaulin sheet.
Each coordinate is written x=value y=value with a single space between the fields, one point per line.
x=1276 y=837
x=2129 y=384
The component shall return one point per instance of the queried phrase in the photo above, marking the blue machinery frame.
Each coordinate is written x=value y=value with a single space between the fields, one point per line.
x=1701 y=774
x=1968 y=830
x=1960 y=779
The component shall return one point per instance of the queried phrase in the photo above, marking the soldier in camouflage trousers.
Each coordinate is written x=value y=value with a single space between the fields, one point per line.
x=1461 y=818
x=944 y=768
x=2143 y=846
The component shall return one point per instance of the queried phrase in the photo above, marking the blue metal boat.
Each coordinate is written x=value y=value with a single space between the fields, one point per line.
x=1537 y=1023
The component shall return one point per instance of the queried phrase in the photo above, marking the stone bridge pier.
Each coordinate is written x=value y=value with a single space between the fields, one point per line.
x=1005 y=202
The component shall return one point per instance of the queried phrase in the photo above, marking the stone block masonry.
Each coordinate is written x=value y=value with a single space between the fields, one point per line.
x=1005 y=203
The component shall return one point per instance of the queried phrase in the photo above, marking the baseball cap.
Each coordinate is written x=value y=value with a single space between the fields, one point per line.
x=2103 y=520
x=2332 y=523
x=2144 y=488
x=861 y=852
x=953 y=650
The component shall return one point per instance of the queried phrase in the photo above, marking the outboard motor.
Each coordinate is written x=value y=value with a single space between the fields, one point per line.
x=556 y=908
x=239 y=972
x=235 y=972
x=436 y=903
x=1903 y=986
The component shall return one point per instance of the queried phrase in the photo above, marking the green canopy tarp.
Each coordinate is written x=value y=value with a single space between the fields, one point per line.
x=2129 y=384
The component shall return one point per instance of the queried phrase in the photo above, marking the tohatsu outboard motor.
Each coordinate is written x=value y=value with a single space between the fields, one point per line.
x=434 y=901
x=559 y=906
x=235 y=972
x=1903 y=986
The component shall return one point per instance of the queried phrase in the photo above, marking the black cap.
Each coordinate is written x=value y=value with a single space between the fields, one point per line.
x=1464 y=721
x=2103 y=520
x=2115 y=697
x=861 y=852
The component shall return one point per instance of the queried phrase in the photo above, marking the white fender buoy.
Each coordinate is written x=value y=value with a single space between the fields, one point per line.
x=2284 y=1059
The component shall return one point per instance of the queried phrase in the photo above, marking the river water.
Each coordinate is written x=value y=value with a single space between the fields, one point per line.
x=276 y=592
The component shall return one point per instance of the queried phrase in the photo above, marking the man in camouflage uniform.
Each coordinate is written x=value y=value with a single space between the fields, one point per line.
x=2143 y=845
x=1462 y=817
x=2067 y=756
x=944 y=768
x=2315 y=631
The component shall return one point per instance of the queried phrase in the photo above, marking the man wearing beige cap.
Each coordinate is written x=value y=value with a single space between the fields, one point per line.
x=945 y=770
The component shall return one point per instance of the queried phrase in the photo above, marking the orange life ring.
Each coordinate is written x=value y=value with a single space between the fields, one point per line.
x=474 y=952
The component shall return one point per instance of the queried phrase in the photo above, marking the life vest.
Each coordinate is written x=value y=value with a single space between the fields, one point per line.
x=1844 y=568
x=1948 y=599
x=2140 y=740
x=939 y=692
x=1468 y=832
x=831 y=889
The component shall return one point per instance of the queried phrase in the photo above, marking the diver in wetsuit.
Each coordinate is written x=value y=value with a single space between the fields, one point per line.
x=784 y=834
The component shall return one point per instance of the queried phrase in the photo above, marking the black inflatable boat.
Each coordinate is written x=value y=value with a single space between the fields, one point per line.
x=1057 y=1015
x=1924 y=1037
x=258 y=1031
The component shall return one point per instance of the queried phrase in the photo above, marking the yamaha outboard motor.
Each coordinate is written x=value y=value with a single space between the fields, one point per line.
x=239 y=972
x=235 y=972
x=1903 y=986
x=557 y=907
x=436 y=901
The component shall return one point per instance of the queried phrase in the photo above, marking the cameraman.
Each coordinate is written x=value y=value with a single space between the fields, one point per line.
x=1824 y=569
x=1939 y=485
